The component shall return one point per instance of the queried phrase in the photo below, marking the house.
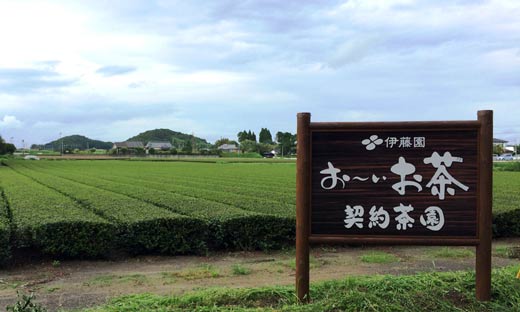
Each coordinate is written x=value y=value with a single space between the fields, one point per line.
x=503 y=146
x=499 y=142
x=128 y=145
x=159 y=146
x=131 y=147
x=229 y=148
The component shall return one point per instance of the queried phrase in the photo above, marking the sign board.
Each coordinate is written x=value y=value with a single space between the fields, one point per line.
x=423 y=183
x=408 y=182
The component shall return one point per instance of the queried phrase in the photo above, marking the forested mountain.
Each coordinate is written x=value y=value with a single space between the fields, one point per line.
x=177 y=139
x=75 y=141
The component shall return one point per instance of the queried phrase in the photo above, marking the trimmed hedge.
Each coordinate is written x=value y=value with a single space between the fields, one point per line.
x=179 y=235
x=74 y=238
x=52 y=223
x=507 y=224
x=5 y=235
x=140 y=227
x=156 y=208
x=262 y=232
x=5 y=230
x=229 y=227
x=260 y=203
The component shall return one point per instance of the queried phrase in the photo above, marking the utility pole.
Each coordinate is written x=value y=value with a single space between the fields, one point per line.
x=61 y=138
x=193 y=142
x=23 y=147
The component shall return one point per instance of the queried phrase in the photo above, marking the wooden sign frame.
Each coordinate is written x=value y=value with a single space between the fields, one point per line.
x=482 y=242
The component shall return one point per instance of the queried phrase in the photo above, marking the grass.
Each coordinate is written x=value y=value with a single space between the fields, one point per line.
x=9 y=285
x=378 y=257
x=203 y=271
x=110 y=279
x=449 y=291
x=506 y=251
x=451 y=252
x=501 y=251
x=52 y=289
x=238 y=269
x=506 y=196
x=507 y=166
x=313 y=263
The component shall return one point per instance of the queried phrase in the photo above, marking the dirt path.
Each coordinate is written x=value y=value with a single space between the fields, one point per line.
x=74 y=284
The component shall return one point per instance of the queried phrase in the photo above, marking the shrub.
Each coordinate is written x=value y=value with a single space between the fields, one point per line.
x=48 y=221
x=180 y=235
x=507 y=224
x=5 y=234
x=262 y=232
x=5 y=230
x=74 y=238
x=25 y=304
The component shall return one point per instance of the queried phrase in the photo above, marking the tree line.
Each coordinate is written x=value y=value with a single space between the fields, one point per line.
x=284 y=143
x=6 y=148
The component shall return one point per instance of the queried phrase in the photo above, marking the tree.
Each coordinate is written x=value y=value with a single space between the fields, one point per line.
x=265 y=136
x=498 y=149
x=246 y=135
x=188 y=147
x=265 y=148
x=248 y=146
x=223 y=141
x=6 y=148
x=242 y=136
x=286 y=142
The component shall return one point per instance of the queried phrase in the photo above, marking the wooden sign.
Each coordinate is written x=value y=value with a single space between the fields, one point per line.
x=402 y=183
x=424 y=183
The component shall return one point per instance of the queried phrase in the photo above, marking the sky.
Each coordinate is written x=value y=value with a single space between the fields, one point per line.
x=112 y=69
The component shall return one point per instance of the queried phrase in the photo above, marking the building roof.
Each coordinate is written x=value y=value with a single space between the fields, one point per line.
x=499 y=141
x=227 y=147
x=159 y=145
x=129 y=144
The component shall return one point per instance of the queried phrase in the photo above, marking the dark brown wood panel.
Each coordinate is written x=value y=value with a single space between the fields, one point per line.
x=366 y=179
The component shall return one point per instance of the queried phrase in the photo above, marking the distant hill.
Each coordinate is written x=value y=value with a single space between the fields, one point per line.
x=177 y=139
x=76 y=141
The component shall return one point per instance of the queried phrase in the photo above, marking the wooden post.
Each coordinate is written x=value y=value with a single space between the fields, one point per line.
x=483 y=258
x=303 y=190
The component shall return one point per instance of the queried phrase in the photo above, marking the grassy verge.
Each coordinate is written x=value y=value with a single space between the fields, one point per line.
x=452 y=291
x=506 y=166
x=378 y=257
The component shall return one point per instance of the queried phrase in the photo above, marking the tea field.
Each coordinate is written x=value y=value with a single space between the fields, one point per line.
x=92 y=208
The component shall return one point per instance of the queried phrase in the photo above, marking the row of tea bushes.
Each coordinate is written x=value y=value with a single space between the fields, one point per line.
x=242 y=184
x=87 y=208
x=5 y=230
x=260 y=203
x=48 y=221
x=229 y=227
x=140 y=227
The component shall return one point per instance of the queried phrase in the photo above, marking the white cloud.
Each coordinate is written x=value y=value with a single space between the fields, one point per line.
x=10 y=122
x=217 y=67
x=352 y=51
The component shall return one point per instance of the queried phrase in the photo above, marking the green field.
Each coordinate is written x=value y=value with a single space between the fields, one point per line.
x=90 y=208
